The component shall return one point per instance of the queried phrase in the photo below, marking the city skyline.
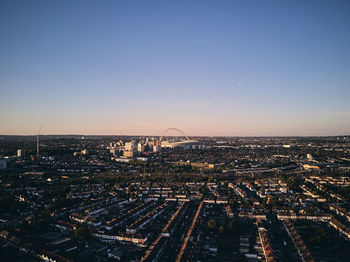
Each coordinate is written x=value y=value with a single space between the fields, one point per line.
x=209 y=68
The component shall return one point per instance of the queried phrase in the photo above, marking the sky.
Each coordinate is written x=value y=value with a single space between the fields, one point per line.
x=220 y=68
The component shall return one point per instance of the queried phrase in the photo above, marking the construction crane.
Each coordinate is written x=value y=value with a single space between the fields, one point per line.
x=37 y=142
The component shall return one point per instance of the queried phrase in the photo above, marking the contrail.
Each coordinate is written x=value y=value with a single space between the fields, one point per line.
x=240 y=82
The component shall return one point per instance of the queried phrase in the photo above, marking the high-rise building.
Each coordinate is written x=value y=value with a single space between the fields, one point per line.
x=128 y=153
x=113 y=151
x=309 y=157
x=19 y=153
x=156 y=149
x=140 y=147
x=130 y=146
x=3 y=163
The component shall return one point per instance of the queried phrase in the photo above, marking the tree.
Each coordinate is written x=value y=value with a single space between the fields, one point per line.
x=43 y=223
x=212 y=224
x=82 y=233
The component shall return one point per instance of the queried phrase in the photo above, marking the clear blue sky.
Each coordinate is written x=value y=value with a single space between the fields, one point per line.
x=206 y=67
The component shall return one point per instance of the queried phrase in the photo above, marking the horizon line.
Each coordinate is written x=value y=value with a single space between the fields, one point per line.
x=145 y=135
